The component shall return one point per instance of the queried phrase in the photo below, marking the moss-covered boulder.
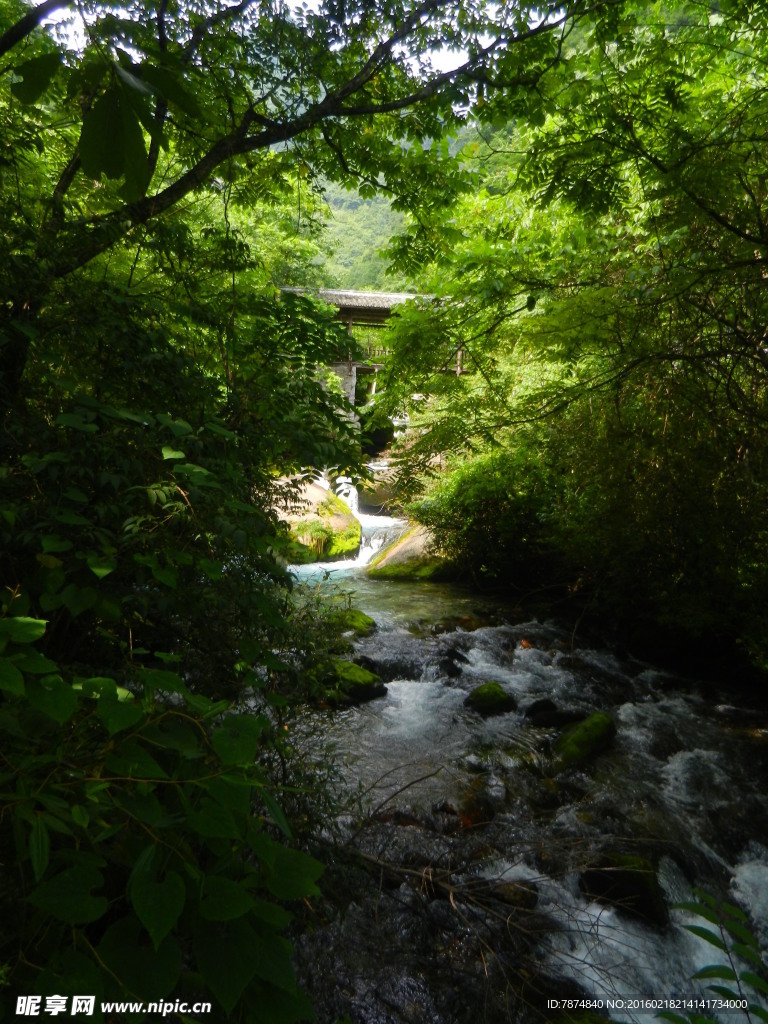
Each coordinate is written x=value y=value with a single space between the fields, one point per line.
x=352 y=620
x=628 y=882
x=350 y=684
x=583 y=741
x=490 y=699
x=410 y=558
x=323 y=529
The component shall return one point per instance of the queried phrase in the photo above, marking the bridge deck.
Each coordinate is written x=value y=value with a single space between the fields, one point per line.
x=358 y=307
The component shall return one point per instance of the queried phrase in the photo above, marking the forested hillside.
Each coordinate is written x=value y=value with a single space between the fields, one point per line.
x=358 y=232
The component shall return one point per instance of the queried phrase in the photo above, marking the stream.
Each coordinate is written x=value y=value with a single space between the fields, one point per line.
x=480 y=886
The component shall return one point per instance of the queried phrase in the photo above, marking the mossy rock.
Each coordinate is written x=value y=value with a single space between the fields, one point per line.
x=351 y=684
x=630 y=883
x=333 y=505
x=427 y=567
x=410 y=558
x=490 y=699
x=353 y=620
x=583 y=741
x=325 y=539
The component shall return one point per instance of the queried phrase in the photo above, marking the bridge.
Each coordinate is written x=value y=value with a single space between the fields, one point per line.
x=369 y=309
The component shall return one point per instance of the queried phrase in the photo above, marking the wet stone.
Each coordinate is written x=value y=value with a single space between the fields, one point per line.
x=448 y=667
x=490 y=699
x=629 y=883
x=539 y=707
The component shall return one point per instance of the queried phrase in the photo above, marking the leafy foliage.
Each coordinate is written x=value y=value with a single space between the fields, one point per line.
x=727 y=930
x=141 y=860
x=603 y=299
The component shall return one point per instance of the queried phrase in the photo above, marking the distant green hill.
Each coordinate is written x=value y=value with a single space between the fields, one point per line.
x=358 y=230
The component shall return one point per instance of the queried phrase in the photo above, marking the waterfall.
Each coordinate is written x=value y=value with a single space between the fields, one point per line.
x=377 y=531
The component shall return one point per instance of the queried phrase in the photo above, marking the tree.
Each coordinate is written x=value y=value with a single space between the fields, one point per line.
x=161 y=97
x=606 y=292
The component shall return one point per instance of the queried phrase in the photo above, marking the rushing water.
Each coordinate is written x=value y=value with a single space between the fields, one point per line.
x=683 y=784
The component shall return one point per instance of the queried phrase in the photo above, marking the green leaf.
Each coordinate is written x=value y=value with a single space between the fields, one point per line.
x=101 y=565
x=130 y=80
x=739 y=931
x=222 y=899
x=213 y=821
x=133 y=110
x=11 y=680
x=748 y=953
x=53 y=697
x=36 y=75
x=21 y=630
x=165 y=575
x=709 y=936
x=238 y=739
x=117 y=715
x=101 y=141
x=755 y=982
x=80 y=815
x=39 y=847
x=759 y=1011
x=726 y=993
x=179 y=428
x=133 y=761
x=67 y=896
x=78 y=421
x=277 y=814
x=226 y=958
x=172 y=453
x=51 y=543
x=271 y=913
x=273 y=962
x=158 y=905
x=35 y=663
x=133 y=959
x=717 y=971
x=172 y=88
x=293 y=874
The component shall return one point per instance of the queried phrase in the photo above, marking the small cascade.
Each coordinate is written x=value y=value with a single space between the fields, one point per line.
x=347 y=491
x=377 y=533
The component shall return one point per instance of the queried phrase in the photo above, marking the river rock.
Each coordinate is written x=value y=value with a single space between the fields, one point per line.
x=352 y=620
x=628 y=882
x=544 y=714
x=583 y=741
x=322 y=526
x=351 y=684
x=519 y=895
x=389 y=667
x=448 y=667
x=490 y=699
x=557 y=719
x=540 y=707
x=411 y=557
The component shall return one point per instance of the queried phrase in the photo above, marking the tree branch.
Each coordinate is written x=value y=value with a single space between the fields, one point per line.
x=24 y=26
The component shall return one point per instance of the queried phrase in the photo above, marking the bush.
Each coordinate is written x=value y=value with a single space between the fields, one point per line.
x=141 y=859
